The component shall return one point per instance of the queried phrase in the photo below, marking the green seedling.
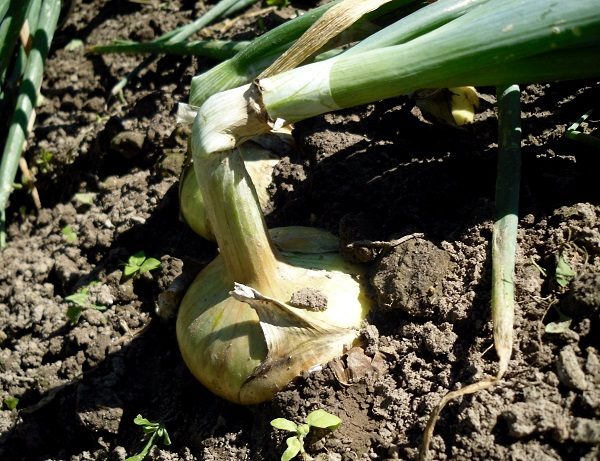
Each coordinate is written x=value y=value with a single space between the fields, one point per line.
x=69 y=234
x=78 y=302
x=139 y=264
x=152 y=430
x=564 y=272
x=11 y=403
x=43 y=162
x=295 y=444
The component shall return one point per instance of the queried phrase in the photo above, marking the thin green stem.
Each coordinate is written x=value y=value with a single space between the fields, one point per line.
x=504 y=236
x=28 y=91
x=173 y=42
x=213 y=49
x=222 y=9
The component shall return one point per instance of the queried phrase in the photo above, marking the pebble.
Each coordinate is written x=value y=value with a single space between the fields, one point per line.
x=569 y=371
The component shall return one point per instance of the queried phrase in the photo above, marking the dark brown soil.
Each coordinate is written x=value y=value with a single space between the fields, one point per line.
x=377 y=172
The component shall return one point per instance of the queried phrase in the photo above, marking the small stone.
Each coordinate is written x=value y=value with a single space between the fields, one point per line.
x=128 y=143
x=569 y=371
x=310 y=299
x=584 y=430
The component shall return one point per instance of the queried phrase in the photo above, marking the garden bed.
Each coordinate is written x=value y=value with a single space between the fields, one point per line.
x=377 y=172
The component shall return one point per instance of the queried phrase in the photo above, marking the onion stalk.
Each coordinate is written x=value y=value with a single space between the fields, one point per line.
x=24 y=112
x=264 y=50
x=246 y=344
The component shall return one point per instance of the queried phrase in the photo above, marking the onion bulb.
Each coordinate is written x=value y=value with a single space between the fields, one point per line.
x=265 y=310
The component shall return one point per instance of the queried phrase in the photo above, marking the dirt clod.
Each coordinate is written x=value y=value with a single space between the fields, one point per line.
x=410 y=277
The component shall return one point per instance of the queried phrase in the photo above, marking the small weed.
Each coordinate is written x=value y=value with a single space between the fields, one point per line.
x=69 y=234
x=564 y=273
x=139 y=264
x=11 y=403
x=295 y=444
x=279 y=3
x=152 y=430
x=43 y=162
x=80 y=301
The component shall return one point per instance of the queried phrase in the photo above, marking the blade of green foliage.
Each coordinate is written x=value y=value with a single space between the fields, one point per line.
x=416 y=24
x=220 y=10
x=4 y=4
x=9 y=32
x=26 y=101
x=264 y=50
x=489 y=44
x=173 y=42
x=213 y=49
x=504 y=235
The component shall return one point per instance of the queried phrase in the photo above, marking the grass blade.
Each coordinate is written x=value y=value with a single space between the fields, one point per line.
x=174 y=41
x=220 y=10
x=213 y=49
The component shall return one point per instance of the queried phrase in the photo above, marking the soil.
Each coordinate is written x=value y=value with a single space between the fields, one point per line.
x=377 y=173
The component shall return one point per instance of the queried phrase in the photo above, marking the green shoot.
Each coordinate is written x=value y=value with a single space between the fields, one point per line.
x=78 y=302
x=152 y=430
x=43 y=162
x=563 y=273
x=295 y=444
x=11 y=403
x=139 y=264
x=69 y=234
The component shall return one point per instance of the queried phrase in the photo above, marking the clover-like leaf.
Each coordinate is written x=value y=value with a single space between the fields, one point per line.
x=149 y=265
x=321 y=419
x=294 y=446
x=284 y=424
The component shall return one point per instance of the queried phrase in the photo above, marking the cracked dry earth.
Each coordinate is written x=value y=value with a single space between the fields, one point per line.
x=377 y=173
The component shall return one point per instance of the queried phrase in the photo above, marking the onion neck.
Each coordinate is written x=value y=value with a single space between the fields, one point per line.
x=232 y=205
